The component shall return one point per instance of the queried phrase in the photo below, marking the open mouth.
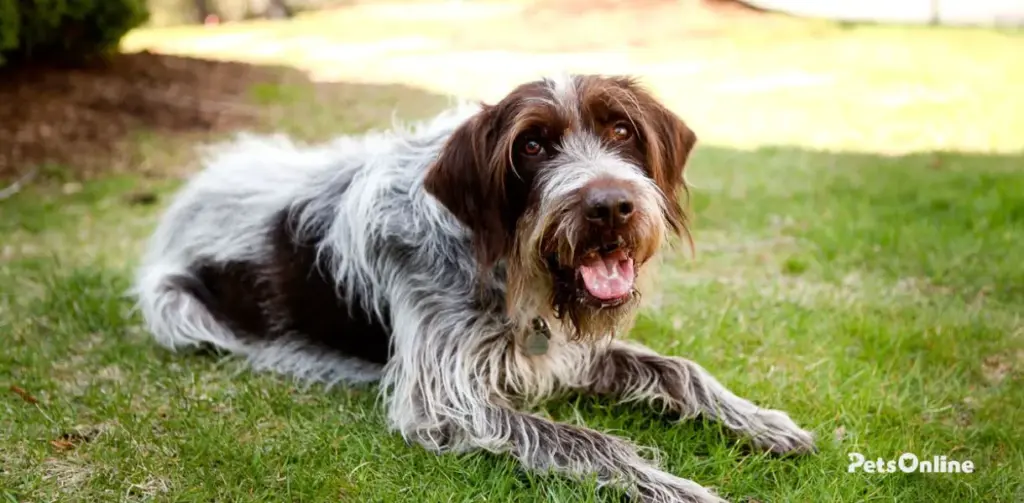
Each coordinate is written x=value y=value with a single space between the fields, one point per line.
x=607 y=277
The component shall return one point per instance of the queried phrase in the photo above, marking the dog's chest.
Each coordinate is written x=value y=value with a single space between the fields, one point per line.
x=545 y=359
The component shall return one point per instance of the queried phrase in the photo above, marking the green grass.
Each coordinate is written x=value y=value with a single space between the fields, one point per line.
x=876 y=297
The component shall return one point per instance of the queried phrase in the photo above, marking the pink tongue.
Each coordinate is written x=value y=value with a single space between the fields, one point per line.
x=609 y=277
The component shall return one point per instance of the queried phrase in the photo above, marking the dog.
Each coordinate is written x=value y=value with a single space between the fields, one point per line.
x=473 y=265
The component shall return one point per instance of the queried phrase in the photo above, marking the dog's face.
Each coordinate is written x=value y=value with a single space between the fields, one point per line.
x=576 y=183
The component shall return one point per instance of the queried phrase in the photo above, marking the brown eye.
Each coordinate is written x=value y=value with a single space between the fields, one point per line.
x=532 y=147
x=621 y=132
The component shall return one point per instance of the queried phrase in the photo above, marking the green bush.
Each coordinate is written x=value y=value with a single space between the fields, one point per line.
x=8 y=26
x=65 y=30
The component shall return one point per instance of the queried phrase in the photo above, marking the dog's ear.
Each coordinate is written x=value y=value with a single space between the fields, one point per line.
x=669 y=142
x=468 y=178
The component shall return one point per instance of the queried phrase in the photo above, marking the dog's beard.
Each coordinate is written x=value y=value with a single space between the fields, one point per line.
x=596 y=298
x=586 y=282
x=593 y=296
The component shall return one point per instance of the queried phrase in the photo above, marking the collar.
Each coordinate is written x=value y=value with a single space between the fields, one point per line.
x=538 y=339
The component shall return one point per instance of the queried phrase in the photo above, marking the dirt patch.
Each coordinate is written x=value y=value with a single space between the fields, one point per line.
x=80 y=116
x=104 y=117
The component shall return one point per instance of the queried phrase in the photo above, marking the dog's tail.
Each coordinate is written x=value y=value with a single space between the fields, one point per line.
x=173 y=304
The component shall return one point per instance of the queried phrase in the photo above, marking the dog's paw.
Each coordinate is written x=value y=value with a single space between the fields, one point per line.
x=671 y=489
x=775 y=432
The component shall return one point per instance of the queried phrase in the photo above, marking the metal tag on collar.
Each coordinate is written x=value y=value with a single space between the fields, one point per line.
x=538 y=338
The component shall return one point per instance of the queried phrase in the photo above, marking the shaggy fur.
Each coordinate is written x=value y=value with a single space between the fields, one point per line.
x=426 y=259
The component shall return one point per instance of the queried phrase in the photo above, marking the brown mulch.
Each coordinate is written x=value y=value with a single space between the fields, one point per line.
x=80 y=117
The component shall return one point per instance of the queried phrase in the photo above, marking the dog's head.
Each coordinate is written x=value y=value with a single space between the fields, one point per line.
x=576 y=182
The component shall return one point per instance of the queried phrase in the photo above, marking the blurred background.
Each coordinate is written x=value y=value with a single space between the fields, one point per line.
x=744 y=73
x=858 y=200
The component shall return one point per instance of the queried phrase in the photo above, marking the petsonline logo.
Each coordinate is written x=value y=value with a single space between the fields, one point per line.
x=908 y=463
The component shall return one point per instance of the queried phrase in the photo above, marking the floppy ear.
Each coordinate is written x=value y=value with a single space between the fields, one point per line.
x=669 y=143
x=468 y=178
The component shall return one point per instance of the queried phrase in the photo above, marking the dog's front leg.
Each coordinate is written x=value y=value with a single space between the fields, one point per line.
x=446 y=390
x=635 y=373
x=544 y=445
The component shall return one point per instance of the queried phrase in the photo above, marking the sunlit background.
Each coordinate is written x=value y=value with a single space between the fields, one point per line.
x=858 y=202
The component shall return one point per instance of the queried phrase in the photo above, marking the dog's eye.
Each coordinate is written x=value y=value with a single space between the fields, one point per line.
x=621 y=131
x=532 y=147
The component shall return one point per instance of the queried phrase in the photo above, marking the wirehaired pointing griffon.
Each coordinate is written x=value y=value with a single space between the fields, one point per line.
x=474 y=265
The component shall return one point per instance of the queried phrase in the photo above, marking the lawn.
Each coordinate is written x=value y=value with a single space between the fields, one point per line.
x=860 y=264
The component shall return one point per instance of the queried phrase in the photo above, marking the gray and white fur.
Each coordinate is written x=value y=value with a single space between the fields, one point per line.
x=355 y=261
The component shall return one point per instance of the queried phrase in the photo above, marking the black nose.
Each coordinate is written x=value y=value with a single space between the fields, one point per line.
x=609 y=206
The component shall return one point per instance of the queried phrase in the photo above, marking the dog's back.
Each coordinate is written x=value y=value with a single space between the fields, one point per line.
x=274 y=251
